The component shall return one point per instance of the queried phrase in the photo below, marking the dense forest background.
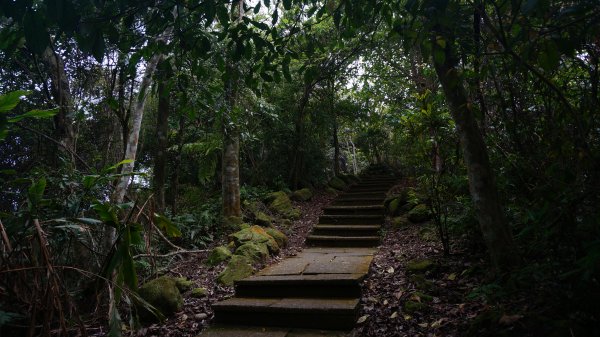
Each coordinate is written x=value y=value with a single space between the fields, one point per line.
x=124 y=123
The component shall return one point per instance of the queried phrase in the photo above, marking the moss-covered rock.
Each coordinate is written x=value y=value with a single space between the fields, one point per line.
x=281 y=204
x=400 y=222
x=419 y=265
x=183 y=284
x=337 y=183
x=262 y=219
x=198 y=292
x=429 y=234
x=304 y=194
x=162 y=293
x=279 y=237
x=254 y=251
x=419 y=214
x=286 y=223
x=218 y=255
x=239 y=267
x=411 y=307
x=331 y=190
x=421 y=297
x=255 y=234
x=421 y=282
x=394 y=206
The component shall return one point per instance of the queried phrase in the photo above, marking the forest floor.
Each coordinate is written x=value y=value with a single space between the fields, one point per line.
x=441 y=290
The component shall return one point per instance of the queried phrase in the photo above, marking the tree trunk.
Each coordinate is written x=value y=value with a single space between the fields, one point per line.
x=162 y=128
x=336 y=148
x=63 y=121
x=230 y=170
x=482 y=186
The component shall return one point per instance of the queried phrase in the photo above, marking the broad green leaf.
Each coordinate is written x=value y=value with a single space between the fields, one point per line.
x=167 y=225
x=439 y=56
x=34 y=114
x=122 y=162
x=35 y=193
x=257 y=8
x=549 y=57
x=87 y=221
x=10 y=100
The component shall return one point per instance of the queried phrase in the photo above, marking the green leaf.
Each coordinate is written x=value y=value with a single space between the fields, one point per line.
x=36 y=35
x=167 y=225
x=122 y=162
x=439 y=56
x=10 y=100
x=35 y=193
x=529 y=6
x=223 y=15
x=87 y=221
x=257 y=8
x=34 y=114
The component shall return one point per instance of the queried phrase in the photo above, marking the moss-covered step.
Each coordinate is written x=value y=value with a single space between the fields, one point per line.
x=312 y=313
x=342 y=241
x=354 y=209
x=346 y=230
x=351 y=219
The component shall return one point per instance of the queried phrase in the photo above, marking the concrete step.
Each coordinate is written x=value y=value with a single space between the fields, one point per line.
x=355 y=189
x=356 y=209
x=264 y=331
x=358 y=201
x=342 y=241
x=310 y=286
x=378 y=194
x=346 y=230
x=351 y=219
x=310 y=313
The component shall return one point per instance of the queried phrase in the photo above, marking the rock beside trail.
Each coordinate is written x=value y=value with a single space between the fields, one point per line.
x=218 y=255
x=419 y=213
x=304 y=194
x=400 y=222
x=421 y=265
x=256 y=252
x=279 y=237
x=337 y=183
x=262 y=219
x=198 y=292
x=183 y=284
x=255 y=234
x=239 y=267
x=163 y=294
x=280 y=203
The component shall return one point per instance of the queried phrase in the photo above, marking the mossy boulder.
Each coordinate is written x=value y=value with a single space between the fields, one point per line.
x=304 y=194
x=286 y=223
x=280 y=203
x=337 y=183
x=239 y=267
x=428 y=233
x=419 y=265
x=183 y=284
x=218 y=255
x=421 y=297
x=163 y=294
x=421 y=282
x=331 y=190
x=400 y=222
x=262 y=219
x=394 y=206
x=419 y=214
x=198 y=292
x=255 y=234
x=254 y=251
x=279 y=237
x=411 y=307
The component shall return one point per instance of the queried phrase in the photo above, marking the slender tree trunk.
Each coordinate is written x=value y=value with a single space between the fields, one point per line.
x=230 y=169
x=176 y=166
x=494 y=226
x=59 y=85
x=162 y=128
x=298 y=151
x=336 y=148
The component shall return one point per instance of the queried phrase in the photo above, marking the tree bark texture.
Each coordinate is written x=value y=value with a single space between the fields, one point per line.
x=230 y=169
x=482 y=185
x=61 y=92
x=162 y=128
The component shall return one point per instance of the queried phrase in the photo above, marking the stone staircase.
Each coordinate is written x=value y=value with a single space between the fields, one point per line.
x=317 y=292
